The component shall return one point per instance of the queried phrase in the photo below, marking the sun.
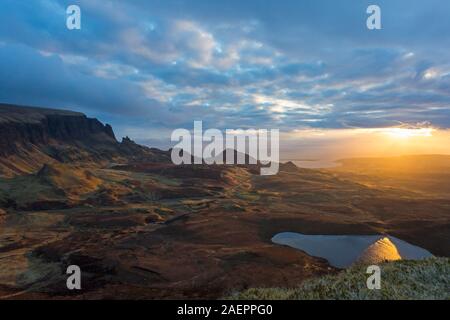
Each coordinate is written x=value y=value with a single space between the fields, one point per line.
x=406 y=133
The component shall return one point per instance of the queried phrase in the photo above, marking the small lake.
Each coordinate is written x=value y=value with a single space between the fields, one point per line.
x=342 y=250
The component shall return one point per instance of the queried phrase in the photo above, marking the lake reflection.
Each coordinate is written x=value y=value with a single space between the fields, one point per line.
x=342 y=250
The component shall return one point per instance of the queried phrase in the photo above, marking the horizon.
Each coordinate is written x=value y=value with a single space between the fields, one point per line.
x=327 y=158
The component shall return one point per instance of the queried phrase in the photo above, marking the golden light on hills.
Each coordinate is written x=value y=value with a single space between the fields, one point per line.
x=381 y=250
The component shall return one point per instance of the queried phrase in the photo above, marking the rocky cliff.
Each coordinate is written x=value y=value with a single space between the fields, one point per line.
x=26 y=126
x=32 y=137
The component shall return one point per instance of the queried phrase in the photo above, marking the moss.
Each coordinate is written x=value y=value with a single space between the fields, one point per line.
x=400 y=280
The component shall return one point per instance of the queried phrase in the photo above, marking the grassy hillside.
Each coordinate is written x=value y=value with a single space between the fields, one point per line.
x=426 y=174
x=400 y=280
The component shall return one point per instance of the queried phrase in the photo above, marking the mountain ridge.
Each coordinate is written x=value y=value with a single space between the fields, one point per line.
x=34 y=136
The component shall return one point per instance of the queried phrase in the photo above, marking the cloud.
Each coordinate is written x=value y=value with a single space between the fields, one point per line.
x=29 y=77
x=233 y=64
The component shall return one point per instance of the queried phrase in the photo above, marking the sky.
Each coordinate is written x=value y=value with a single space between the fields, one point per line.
x=309 y=68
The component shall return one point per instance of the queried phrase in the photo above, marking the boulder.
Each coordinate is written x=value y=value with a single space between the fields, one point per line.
x=380 y=251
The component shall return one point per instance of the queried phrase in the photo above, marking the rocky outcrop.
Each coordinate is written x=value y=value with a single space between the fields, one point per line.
x=380 y=251
x=25 y=126
x=288 y=167
x=32 y=137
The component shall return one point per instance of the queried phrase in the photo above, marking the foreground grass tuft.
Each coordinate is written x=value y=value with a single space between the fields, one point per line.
x=400 y=280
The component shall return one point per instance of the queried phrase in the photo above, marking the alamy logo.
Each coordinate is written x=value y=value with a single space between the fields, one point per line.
x=74 y=280
x=374 y=280
x=374 y=20
x=256 y=146
x=73 y=21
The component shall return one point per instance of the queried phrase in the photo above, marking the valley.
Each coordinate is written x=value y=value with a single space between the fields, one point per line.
x=141 y=227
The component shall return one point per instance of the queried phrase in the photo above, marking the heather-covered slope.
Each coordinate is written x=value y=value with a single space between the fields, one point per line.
x=400 y=280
